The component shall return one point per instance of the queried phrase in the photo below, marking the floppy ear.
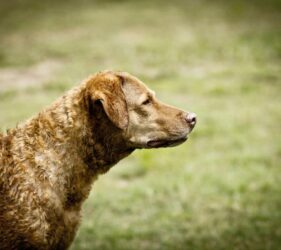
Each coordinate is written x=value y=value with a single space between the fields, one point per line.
x=107 y=88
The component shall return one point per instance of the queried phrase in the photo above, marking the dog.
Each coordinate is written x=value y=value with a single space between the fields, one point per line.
x=48 y=163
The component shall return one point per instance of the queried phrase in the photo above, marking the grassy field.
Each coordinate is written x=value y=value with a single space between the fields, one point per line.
x=220 y=59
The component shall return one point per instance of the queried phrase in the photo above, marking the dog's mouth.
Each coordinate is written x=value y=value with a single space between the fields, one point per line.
x=165 y=143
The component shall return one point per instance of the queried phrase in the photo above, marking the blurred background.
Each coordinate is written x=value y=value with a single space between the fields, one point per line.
x=220 y=59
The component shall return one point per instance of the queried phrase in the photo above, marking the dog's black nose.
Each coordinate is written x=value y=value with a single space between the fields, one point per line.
x=191 y=119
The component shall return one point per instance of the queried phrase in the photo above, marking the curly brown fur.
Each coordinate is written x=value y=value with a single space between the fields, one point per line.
x=48 y=163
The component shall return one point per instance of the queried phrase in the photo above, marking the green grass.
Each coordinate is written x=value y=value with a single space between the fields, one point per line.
x=220 y=59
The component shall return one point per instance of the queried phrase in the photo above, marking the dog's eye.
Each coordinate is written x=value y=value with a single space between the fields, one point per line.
x=147 y=101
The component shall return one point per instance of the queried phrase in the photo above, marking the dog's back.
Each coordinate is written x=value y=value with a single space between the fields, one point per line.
x=9 y=210
x=16 y=209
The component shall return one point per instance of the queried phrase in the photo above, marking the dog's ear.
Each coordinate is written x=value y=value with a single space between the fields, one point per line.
x=106 y=88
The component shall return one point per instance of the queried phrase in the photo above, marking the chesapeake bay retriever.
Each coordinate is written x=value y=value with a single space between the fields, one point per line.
x=48 y=163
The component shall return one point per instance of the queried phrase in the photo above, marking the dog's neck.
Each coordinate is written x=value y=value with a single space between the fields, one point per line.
x=107 y=145
x=100 y=144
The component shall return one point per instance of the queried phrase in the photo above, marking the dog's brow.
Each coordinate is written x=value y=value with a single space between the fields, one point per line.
x=151 y=94
x=144 y=96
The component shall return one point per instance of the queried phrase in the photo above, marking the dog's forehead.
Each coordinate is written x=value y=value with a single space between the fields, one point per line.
x=134 y=85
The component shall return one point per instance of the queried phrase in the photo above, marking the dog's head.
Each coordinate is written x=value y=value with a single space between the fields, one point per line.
x=130 y=106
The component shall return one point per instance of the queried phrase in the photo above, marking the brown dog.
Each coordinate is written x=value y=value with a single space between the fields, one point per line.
x=48 y=163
